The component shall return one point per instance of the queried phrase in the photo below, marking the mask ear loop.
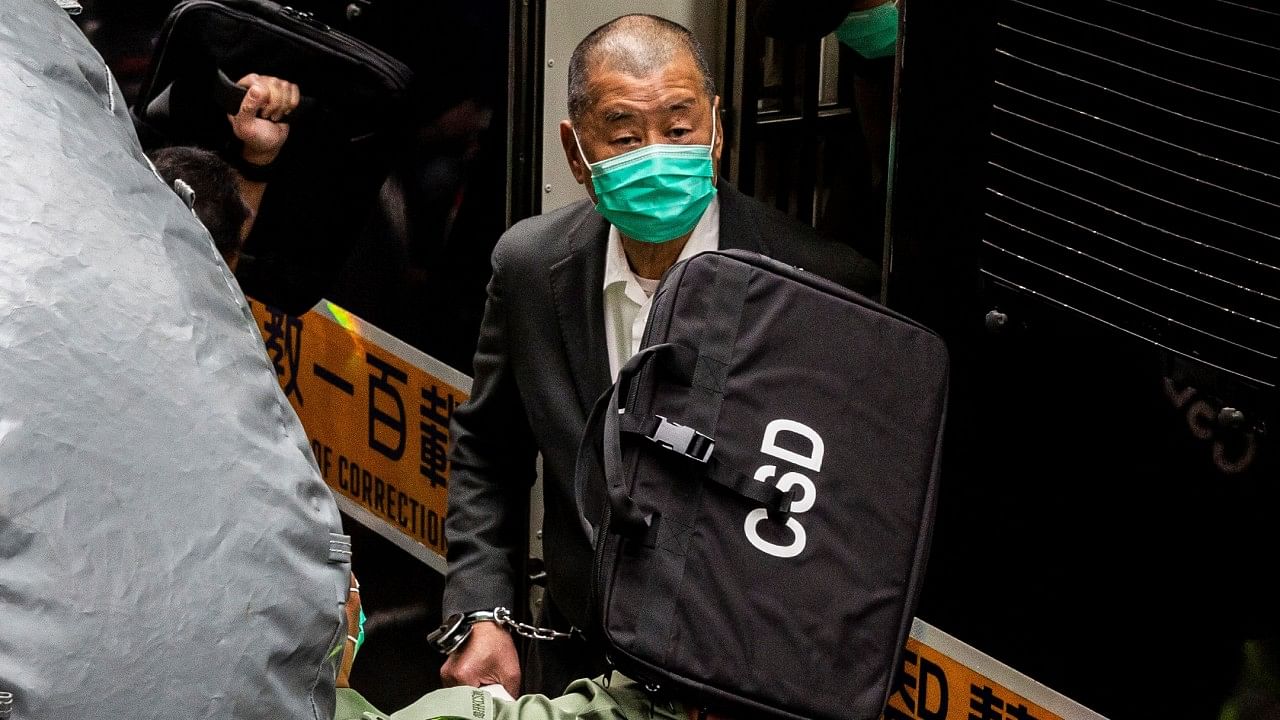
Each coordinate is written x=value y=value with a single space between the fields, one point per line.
x=714 y=124
x=578 y=142
x=711 y=152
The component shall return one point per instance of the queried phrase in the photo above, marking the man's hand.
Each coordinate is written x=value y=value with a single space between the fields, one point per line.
x=487 y=657
x=257 y=125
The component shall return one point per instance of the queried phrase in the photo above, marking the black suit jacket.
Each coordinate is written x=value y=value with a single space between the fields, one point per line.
x=540 y=363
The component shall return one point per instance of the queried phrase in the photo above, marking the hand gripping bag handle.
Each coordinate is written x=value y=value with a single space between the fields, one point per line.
x=229 y=95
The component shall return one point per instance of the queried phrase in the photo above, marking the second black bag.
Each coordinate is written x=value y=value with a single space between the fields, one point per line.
x=354 y=114
x=760 y=483
x=353 y=93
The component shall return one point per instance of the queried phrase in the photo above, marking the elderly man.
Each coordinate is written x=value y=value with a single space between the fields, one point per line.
x=567 y=304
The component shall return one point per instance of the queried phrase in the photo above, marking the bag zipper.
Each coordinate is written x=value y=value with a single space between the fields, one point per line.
x=817 y=282
x=384 y=64
x=304 y=16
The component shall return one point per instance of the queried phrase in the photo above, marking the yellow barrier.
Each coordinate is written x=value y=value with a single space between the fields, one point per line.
x=377 y=413
x=945 y=679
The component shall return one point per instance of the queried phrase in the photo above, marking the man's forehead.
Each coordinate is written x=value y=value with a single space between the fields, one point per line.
x=613 y=106
x=612 y=91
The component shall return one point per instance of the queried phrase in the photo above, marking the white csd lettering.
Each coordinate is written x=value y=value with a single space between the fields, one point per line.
x=789 y=480
x=812 y=461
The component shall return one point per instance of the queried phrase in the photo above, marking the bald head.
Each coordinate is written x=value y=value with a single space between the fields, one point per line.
x=638 y=45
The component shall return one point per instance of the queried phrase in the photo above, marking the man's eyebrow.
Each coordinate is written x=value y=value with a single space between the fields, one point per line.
x=618 y=114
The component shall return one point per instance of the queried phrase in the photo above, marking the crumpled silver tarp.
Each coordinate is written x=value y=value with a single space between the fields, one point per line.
x=165 y=537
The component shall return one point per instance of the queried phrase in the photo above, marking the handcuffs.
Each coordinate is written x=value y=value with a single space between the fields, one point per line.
x=457 y=628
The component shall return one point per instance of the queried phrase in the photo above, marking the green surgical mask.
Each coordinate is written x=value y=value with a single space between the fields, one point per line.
x=656 y=193
x=872 y=33
x=359 y=637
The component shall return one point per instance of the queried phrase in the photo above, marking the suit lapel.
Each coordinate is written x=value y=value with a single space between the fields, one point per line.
x=739 y=221
x=577 y=283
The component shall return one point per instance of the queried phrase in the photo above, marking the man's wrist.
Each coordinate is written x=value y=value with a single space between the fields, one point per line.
x=255 y=167
x=259 y=157
x=453 y=633
x=475 y=616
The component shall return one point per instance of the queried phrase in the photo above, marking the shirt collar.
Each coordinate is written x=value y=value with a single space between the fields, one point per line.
x=706 y=236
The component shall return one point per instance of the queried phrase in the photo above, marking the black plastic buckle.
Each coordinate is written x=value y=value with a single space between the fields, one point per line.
x=684 y=440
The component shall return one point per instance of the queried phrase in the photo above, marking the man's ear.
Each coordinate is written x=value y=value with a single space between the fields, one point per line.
x=577 y=165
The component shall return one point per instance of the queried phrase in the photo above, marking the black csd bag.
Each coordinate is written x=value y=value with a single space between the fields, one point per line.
x=760 y=484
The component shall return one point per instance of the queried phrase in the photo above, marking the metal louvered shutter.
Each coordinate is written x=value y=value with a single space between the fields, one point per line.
x=1134 y=172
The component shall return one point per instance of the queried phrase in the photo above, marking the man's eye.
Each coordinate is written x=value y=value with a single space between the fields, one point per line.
x=679 y=132
x=628 y=140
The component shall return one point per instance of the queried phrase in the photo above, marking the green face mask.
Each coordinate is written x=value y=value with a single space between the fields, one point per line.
x=656 y=193
x=872 y=33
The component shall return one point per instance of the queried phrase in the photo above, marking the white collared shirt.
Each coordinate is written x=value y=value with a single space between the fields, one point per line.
x=627 y=297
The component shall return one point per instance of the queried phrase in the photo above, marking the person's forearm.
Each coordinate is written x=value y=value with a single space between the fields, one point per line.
x=251 y=193
x=252 y=190
x=262 y=129
x=492 y=461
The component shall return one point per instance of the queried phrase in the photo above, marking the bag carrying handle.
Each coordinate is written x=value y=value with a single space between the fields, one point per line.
x=227 y=96
x=590 y=458
x=625 y=515
x=230 y=96
x=608 y=420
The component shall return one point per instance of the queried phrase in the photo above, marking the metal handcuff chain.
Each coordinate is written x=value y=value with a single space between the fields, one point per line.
x=455 y=631
x=502 y=616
